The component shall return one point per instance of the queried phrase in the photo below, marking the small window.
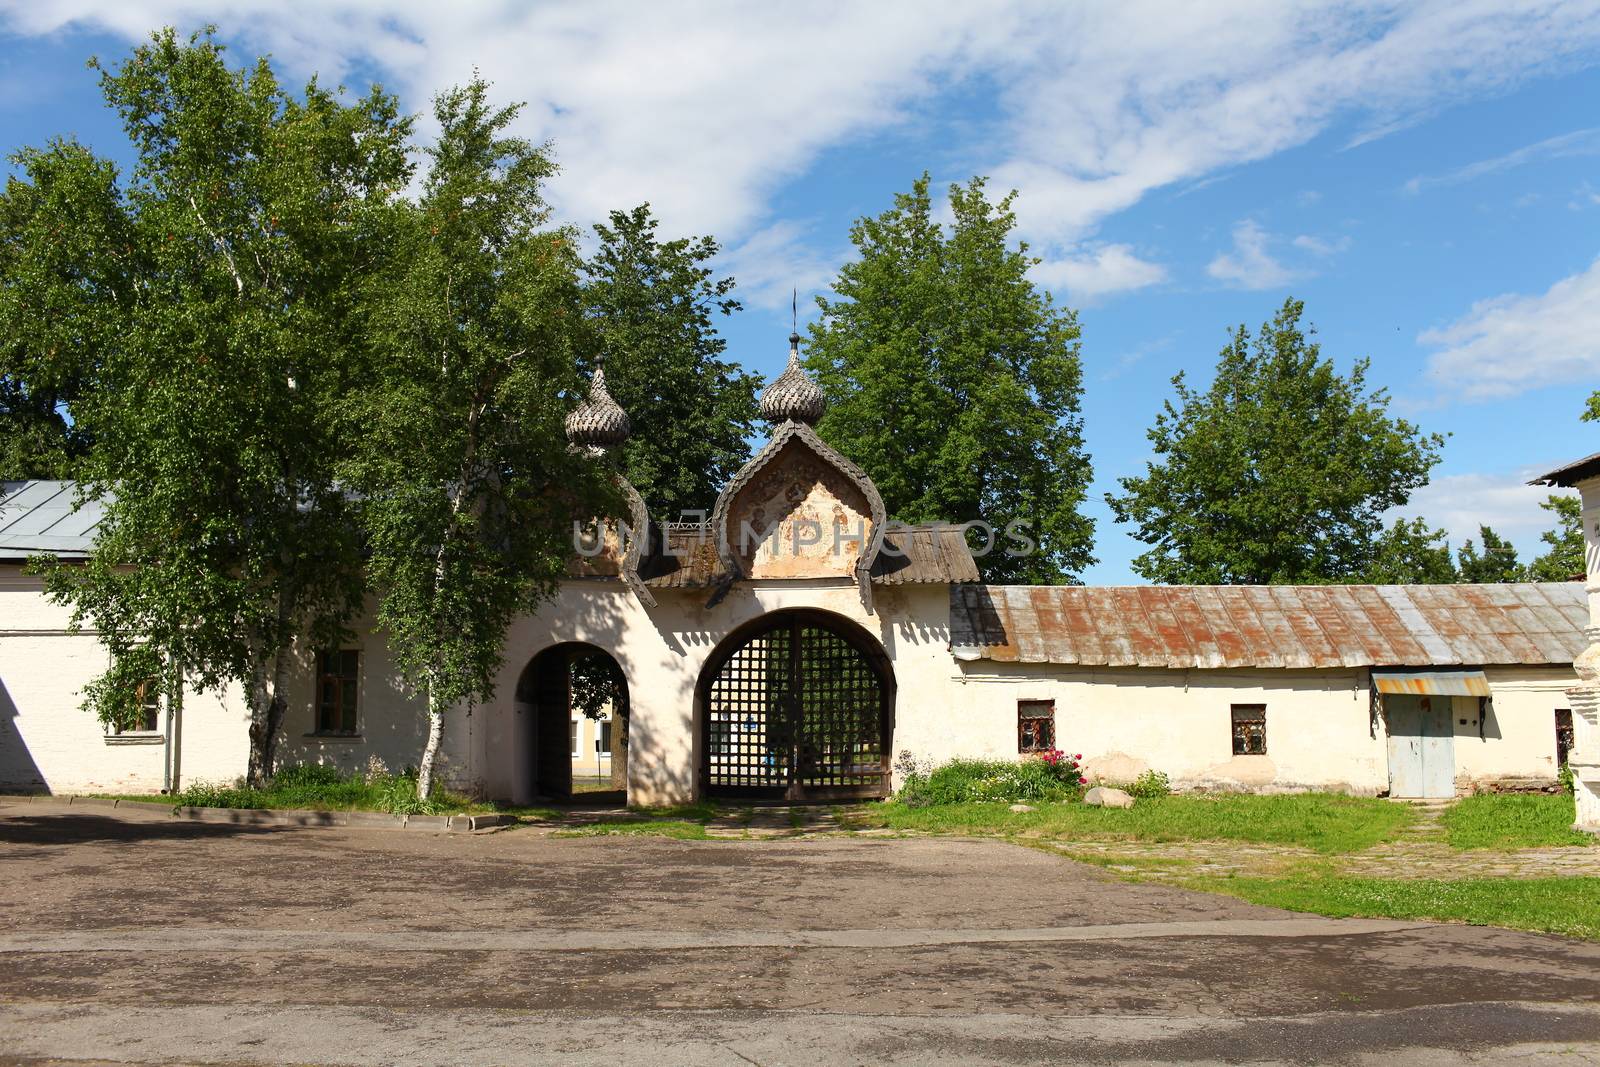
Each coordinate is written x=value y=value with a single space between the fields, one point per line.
x=338 y=685
x=1563 y=736
x=575 y=735
x=1036 y=725
x=602 y=743
x=149 y=715
x=1249 y=729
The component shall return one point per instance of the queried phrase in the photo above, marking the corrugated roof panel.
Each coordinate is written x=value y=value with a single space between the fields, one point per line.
x=1317 y=649
x=1276 y=626
x=1191 y=616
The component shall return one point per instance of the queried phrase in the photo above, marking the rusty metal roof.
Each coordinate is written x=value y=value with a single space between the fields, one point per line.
x=931 y=554
x=1271 y=626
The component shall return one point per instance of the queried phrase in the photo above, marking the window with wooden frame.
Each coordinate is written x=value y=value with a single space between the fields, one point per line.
x=338 y=691
x=1563 y=736
x=1249 y=729
x=1036 y=725
x=148 y=719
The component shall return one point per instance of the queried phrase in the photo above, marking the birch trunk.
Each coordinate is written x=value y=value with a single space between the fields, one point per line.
x=430 y=751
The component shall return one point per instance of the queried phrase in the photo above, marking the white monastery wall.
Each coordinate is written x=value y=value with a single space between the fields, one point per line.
x=1519 y=733
x=1124 y=720
x=1128 y=720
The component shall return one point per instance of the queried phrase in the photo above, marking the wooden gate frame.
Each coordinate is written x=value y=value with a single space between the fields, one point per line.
x=848 y=630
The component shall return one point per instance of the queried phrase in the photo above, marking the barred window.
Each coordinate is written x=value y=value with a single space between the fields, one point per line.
x=1249 y=729
x=338 y=687
x=1563 y=736
x=1036 y=725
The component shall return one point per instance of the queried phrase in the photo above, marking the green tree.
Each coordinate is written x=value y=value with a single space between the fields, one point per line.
x=1411 y=553
x=1564 y=560
x=1279 y=472
x=468 y=489
x=652 y=304
x=955 y=383
x=1497 y=562
x=64 y=257
x=1591 y=410
x=209 y=343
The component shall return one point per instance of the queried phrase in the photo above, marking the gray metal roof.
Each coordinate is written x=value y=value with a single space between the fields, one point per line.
x=1272 y=626
x=40 y=517
x=1572 y=473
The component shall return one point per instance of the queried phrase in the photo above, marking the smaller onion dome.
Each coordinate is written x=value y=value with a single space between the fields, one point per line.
x=793 y=396
x=599 y=422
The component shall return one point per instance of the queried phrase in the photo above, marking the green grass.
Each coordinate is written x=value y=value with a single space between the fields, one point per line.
x=683 y=821
x=1323 y=822
x=1568 y=906
x=1513 y=820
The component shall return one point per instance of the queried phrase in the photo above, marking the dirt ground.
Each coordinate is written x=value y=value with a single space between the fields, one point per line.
x=135 y=938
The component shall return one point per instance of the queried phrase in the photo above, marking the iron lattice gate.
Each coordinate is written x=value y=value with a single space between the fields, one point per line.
x=797 y=711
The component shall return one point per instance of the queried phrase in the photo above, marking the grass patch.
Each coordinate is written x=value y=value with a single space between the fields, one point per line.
x=1512 y=820
x=686 y=822
x=1568 y=906
x=1324 y=822
x=682 y=829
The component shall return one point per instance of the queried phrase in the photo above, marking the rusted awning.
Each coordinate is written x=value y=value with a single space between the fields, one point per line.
x=1432 y=683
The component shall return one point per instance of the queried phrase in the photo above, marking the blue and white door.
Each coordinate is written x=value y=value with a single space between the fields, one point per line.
x=1422 y=748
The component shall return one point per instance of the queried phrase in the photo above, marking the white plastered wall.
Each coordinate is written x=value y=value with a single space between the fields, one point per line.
x=1125 y=721
x=1518 y=739
x=48 y=742
x=661 y=651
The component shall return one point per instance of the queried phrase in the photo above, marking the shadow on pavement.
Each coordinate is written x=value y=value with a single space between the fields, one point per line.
x=71 y=828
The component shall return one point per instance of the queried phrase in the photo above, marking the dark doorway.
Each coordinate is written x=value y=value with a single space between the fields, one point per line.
x=560 y=687
x=797 y=705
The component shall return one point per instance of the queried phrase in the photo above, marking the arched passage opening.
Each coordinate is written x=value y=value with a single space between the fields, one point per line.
x=797 y=705
x=575 y=699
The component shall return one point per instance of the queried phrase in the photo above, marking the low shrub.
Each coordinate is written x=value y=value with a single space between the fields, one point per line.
x=1149 y=786
x=1048 y=776
x=1564 y=779
x=322 y=788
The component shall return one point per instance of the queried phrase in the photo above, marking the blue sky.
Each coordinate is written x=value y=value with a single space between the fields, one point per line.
x=1426 y=177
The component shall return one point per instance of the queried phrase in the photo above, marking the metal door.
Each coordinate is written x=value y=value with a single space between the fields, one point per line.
x=797 y=709
x=1422 y=753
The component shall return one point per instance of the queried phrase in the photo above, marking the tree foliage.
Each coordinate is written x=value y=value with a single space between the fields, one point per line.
x=652 y=304
x=1411 y=553
x=468 y=490
x=1564 y=560
x=954 y=382
x=1495 y=562
x=1278 y=472
x=201 y=312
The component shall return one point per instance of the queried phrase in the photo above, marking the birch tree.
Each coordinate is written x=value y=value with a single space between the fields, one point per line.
x=468 y=492
x=202 y=307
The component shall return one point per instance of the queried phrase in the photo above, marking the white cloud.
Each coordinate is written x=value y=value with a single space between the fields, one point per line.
x=775 y=262
x=1577 y=143
x=1249 y=265
x=1317 y=246
x=1513 y=343
x=707 y=108
x=1097 y=271
x=1460 y=503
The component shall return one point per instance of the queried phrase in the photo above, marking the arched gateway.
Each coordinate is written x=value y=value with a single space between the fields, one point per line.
x=797 y=705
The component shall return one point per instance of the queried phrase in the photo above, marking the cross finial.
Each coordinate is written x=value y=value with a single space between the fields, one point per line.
x=794 y=314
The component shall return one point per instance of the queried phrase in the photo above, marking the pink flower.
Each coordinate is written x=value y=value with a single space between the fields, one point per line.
x=1078 y=756
x=1083 y=781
